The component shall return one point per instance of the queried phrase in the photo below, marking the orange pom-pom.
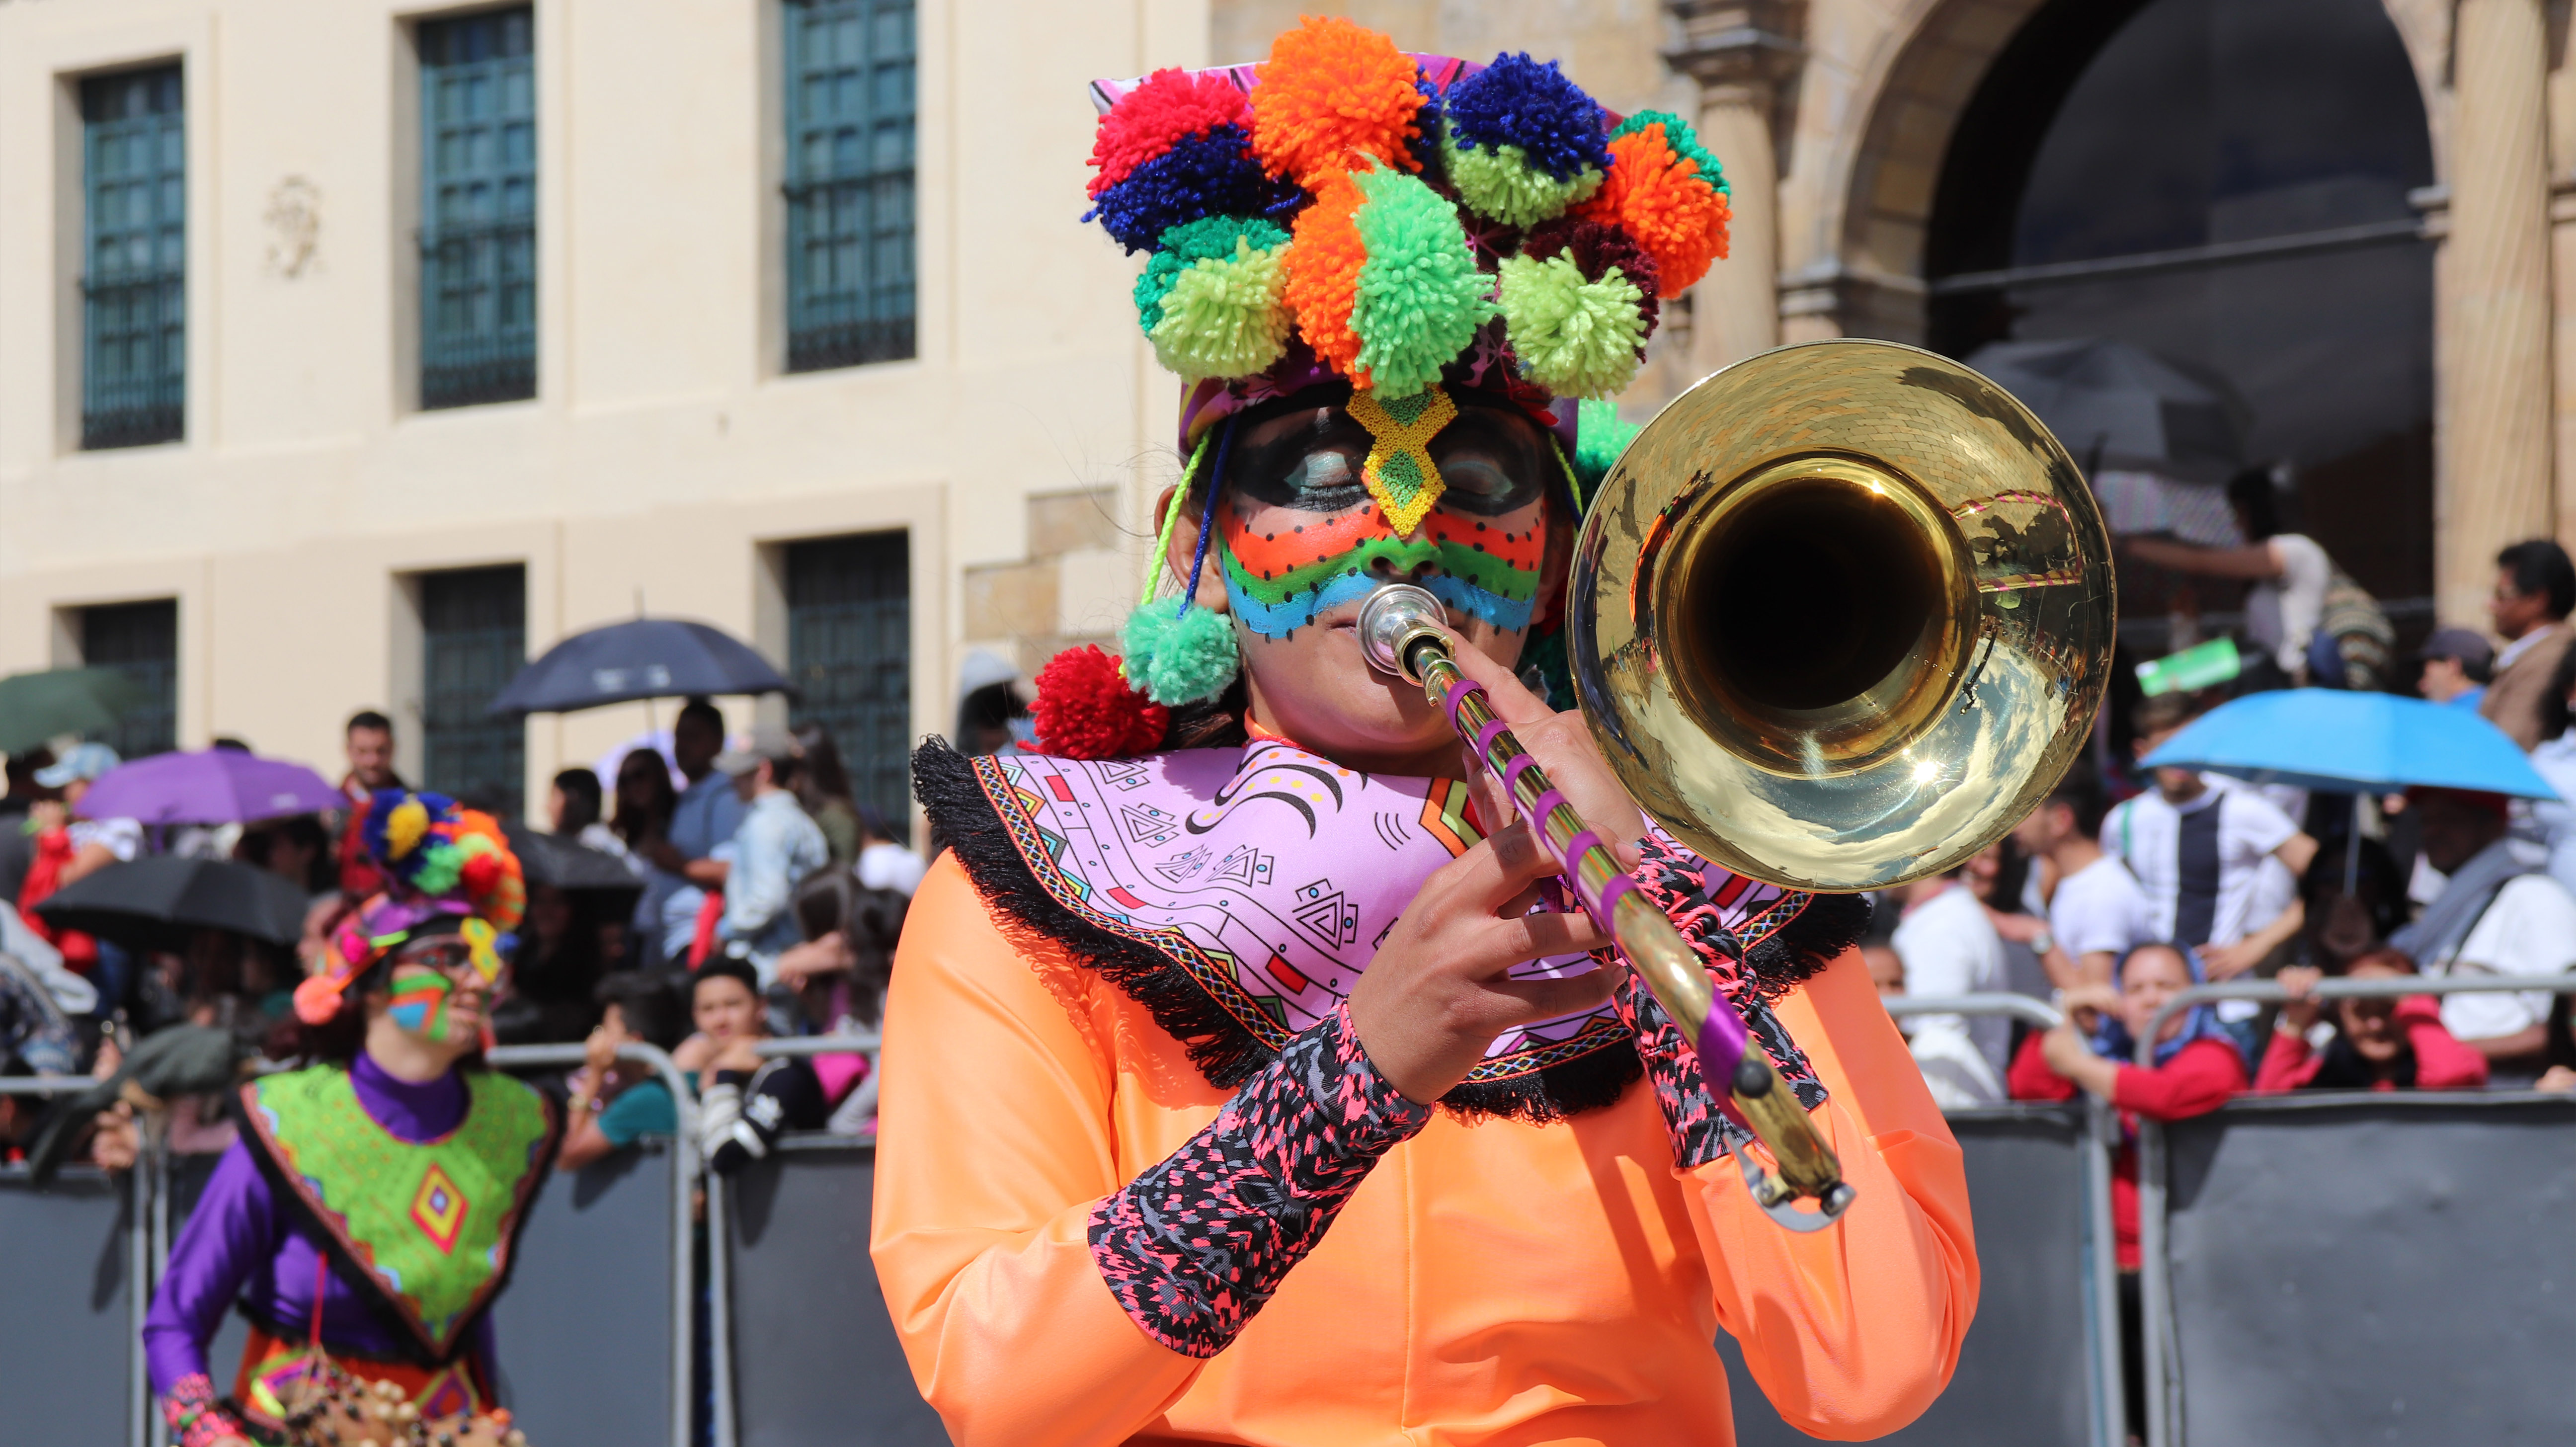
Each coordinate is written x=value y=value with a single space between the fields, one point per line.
x=1322 y=266
x=1659 y=197
x=1331 y=94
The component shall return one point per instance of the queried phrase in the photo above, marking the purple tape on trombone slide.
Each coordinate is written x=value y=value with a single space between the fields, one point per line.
x=1722 y=1043
x=1520 y=764
x=1494 y=728
x=1457 y=695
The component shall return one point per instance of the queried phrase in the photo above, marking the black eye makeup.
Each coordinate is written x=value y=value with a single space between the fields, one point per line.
x=1492 y=460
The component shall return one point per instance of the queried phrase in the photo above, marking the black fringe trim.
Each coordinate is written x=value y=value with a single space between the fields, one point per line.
x=1225 y=1053
x=1829 y=925
x=944 y=782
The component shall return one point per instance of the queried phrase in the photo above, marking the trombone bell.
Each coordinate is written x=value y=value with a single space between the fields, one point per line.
x=1841 y=615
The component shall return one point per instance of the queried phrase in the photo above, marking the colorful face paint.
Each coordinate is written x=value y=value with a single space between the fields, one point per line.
x=1278 y=581
x=420 y=1002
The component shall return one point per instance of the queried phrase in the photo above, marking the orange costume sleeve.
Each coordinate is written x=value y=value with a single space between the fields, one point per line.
x=1487 y=1282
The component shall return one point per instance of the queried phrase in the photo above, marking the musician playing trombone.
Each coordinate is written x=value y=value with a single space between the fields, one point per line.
x=1249 y=1076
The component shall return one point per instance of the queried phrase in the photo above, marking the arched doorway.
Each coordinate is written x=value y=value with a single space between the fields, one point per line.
x=2224 y=183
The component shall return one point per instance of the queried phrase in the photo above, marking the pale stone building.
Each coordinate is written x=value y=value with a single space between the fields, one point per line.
x=351 y=349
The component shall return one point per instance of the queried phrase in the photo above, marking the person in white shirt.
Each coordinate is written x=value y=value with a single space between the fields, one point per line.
x=2497 y=914
x=2198 y=851
x=884 y=862
x=1950 y=947
x=96 y=843
x=1955 y=1072
x=2290 y=573
x=2096 y=912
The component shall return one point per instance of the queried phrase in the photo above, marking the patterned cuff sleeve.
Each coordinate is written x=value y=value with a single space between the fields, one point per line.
x=1193 y=1247
x=195 y=1417
x=1703 y=1129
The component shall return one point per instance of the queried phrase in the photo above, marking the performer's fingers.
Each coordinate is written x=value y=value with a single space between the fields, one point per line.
x=1564 y=747
x=1493 y=802
x=1537 y=936
x=1548 y=999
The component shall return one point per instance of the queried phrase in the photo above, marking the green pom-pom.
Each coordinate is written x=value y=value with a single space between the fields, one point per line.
x=1223 y=317
x=1419 y=297
x=440 y=865
x=1599 y=437
x=1179 y=660
x=1684 y=141
x=1500 y=182
x=1184 y=246
x=1574 y=337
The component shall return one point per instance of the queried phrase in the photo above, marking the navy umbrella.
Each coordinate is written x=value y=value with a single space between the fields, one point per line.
x=647 y=658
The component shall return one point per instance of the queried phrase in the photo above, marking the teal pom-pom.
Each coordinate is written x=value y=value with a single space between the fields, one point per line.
x=1501 y=182
x=1599 y=437
x=1224 y=316
x=1184 y=246
x=1179 y=660
x=1574 y=337
x=1419 y=297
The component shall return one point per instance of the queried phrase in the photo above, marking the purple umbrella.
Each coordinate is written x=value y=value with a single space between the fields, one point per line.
x=214 y=786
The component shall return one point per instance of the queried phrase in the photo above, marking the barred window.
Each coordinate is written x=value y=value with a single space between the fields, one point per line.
x=478 y=236
x=141 y=641
x=849 y=182
x=134 y=371
x=849 y=653
x=474 y=639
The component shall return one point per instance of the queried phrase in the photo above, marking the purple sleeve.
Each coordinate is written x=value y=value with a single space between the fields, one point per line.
x=1195 y=1246
x=232 y=1233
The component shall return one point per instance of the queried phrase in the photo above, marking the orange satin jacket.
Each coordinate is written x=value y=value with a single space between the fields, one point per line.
x=1491 y=1283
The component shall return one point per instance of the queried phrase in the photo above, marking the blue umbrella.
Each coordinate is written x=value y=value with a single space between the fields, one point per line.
x=2339 y=742
x=647 y=658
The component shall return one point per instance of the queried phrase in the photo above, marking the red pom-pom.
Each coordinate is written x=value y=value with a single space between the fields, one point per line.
x=1146 y=121
x=1085 y=710
x=479 y=873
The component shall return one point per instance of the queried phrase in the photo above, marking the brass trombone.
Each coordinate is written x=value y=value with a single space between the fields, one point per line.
x=1839 y=616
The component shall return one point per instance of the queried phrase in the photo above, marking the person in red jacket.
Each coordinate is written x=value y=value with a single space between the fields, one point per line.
x=2196 y=1069
x=2377 y=1044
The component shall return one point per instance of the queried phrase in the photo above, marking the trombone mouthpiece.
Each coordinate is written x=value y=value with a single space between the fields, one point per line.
x=1395 y=617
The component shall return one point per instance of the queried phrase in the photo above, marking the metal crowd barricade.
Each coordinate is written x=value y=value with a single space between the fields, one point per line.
x=47 y=1351
x=2049 y=1319
x=2166 y=1386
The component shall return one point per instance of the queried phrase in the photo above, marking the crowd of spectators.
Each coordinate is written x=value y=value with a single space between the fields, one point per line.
x=734 y=893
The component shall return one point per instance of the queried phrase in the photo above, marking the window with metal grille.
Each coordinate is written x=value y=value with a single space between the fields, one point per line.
x=849 y=182
x=478 y=207
x=141 y=641
x=474 y=637
x=134 y=293
x=849 y=653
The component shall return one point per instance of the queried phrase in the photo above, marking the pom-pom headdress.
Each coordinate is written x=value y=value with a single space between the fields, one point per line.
x=1410 y=225
x=448 y=870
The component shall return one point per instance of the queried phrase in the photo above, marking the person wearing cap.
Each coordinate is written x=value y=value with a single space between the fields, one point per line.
x=94 y=844
x=2499 y=913
x=2457 y=665
x=776 y=845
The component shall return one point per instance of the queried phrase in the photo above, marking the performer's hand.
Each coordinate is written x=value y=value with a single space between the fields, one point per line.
x=1436 y=995
x=1563 y=746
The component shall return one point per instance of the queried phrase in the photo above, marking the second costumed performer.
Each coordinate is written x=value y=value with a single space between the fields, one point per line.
x=1241 y=1083
x=368 y=1216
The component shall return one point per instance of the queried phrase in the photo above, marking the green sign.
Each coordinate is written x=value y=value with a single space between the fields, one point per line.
x=2205 y=666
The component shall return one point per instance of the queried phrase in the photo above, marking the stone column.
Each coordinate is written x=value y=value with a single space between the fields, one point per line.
x=1743 y=53
x=2494 y=478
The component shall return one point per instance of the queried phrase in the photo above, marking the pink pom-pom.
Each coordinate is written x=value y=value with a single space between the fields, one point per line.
x=1145 y=122
x=1086 y=710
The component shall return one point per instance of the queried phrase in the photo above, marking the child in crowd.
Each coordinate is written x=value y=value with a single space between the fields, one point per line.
x=743 y=1100
x=2377 y=1044
x=2196 y=1069
x=614 y=1102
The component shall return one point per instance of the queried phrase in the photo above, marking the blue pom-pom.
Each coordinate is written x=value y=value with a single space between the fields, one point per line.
x=1518 y=102
x=1204 y=175
x=1425 y=145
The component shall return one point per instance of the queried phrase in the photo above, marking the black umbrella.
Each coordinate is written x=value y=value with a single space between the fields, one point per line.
x=154 y=903
x=2120 y=406
x=575 y=868
x=647 y=658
